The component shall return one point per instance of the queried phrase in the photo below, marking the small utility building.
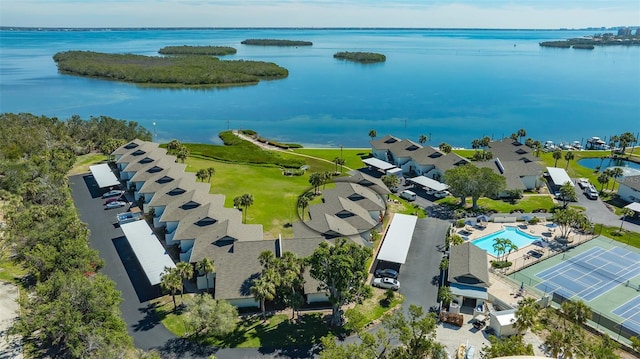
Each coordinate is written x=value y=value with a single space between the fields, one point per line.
x=378 y=164
x=395 y=245
x=151 y=255
x=103 y=176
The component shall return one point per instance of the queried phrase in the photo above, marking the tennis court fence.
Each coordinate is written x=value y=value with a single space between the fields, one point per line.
x=599 y=320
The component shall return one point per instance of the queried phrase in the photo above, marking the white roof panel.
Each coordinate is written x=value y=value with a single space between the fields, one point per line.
x=398 y=239
x=430 y=183
x=559 y=176
x=468 y=291
x=150 y=253
x=103 y=175
x=380 y=164
x=635 y=206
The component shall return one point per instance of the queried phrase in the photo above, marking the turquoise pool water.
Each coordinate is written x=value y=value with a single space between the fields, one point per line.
x=518 y=237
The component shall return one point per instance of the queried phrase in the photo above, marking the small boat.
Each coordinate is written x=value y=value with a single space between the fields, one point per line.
x=471 y=351
x=462 y=351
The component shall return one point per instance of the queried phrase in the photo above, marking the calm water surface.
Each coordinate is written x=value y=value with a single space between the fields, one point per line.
x=452 y=85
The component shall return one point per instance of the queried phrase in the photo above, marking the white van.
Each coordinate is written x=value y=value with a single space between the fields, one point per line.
x=408 y=195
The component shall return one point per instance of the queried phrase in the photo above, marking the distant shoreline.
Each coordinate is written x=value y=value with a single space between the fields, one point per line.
x=45 y=28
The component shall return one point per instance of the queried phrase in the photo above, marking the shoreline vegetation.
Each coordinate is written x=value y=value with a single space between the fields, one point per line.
x=361 y=57
x=589 y=43
x=174 y=71
x=197 y=50
x=275 y=42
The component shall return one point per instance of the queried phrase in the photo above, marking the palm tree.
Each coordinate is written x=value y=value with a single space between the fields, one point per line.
x=603 y=179
x=337 y=162
x=576 y=311
x=290 y=270
x=521 y=133
x=526 y=315
x=557 y=154
x=201 y=174
x=514 y=136
x=555 y=342
x=263 y=289
x=390 y=181
x=445 y=147
x=616 y=173
x=626 y=212
x=422 y=139
x=183 y=153
x=568 y=157
x=171 y=281
x=499 y=247
x=316 y=180
x=373 y=134
x=510 y=247
x=609 y=173
x=246 y=200
x=326 y=176
x=186 y=273
x=445 y=295
x=173 y=146
x=303 y=202
x=267 y=260
x=210 y=172
x=206 y=266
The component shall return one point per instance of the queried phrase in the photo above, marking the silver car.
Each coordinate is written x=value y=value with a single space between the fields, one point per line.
x=386 y=283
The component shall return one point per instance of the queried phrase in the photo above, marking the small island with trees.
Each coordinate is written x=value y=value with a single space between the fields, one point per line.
x=275 y=42
x=590 y=42
x=197 y=50
x=362 y=57
x=174 y=71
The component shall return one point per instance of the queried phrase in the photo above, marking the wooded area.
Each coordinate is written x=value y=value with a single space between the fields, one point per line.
x=275 y=42
x=197 y=50
x=167 y=71
x=70 y=310
x=362 y=57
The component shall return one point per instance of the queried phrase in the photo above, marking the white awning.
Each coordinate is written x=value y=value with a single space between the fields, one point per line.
x=429 y=183
x=379 y=164
x=468 y=291
x=635 y=206
x=395 y=246
x=103 y=176
x=559 y=176
x=150 y=253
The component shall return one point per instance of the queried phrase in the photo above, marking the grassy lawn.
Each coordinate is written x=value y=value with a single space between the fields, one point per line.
x=373 y=308
x=10 y=270
x=625 y=237
x=252 y=332
x=83 y=162
x=528 y=203
x=400 y=205
x=352 y=156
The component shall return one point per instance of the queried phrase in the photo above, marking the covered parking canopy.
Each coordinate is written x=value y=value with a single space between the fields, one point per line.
x=151 y=254
x=395 y=246
x=559 y=176
x=635 y=206
x=103 y=176
x=379 y=164
x=429 y=183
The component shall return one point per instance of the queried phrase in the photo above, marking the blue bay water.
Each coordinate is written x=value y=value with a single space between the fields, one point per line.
x=454 y=85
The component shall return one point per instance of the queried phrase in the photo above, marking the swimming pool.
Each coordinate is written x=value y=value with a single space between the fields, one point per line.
x=516 y=236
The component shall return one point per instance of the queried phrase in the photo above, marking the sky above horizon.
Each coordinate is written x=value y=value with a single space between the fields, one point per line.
x=521 y=14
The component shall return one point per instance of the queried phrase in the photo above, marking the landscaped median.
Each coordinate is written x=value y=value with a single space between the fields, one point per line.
x=278 y=330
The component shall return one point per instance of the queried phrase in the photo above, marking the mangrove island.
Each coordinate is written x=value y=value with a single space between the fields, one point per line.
x=362 y=57
x=590 y=42
x=178 y=71
x=274 y=42
x=197 y=50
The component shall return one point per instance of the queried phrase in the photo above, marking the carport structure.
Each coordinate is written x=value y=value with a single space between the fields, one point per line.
x=152 y=256
x=378 y=164
x=559 y=176
x=395 y=246
x=103 y=176
x=429 y=183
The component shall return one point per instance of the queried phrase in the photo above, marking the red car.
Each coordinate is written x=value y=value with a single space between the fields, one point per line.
x=112 y=199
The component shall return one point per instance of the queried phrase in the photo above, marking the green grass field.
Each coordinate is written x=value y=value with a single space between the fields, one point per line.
x=352 y=156
x=527 y=203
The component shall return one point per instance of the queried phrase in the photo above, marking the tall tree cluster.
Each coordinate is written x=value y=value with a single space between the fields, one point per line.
x=70 y=310
x=470 y=181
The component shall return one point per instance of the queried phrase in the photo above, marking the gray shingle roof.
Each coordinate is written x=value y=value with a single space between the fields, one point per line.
x=468 y=264
x=367 y=181
x=127 y=147
x=384 y=143
x=174 y=170
x=236 y=265
x=168 y=194
x=155 y=157
x=361 y=195
x=632 y=182
x=137 y=153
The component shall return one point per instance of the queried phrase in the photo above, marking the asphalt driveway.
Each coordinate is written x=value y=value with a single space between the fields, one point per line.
x=419 y=275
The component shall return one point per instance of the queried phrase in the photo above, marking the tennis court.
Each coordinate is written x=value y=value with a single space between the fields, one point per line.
x=602 y=272
x=592 y=273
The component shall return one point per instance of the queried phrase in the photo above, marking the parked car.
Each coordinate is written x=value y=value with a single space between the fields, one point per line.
x=112 y=199
x=386 y=283
x=116 y=204
x=386 y=273
x=441 y=194
x=431 y=191
x=408 y=195
x=591 y=192
x=113 y=193
x=583 y=183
